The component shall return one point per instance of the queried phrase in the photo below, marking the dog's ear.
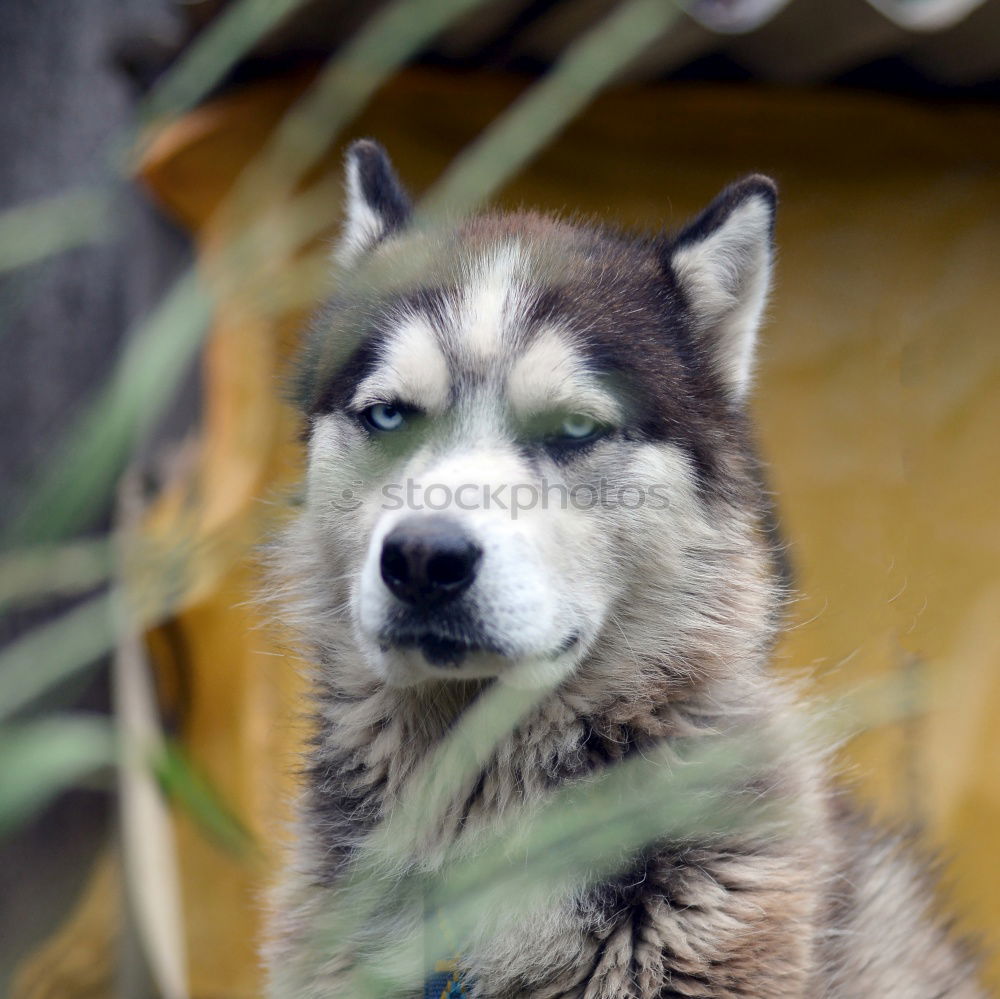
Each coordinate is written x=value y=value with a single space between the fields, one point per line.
x=375 y=202
x=722 y=263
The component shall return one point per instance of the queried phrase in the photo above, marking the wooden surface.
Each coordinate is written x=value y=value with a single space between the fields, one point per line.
x=878 y=411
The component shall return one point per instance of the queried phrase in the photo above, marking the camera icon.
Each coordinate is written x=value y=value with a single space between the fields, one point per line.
x=349 y=498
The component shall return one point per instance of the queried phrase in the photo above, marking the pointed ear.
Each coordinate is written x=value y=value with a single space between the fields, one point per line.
x=375 y=203
x=722 y=263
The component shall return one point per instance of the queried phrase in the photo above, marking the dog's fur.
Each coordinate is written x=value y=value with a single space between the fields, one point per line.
x=657 y=621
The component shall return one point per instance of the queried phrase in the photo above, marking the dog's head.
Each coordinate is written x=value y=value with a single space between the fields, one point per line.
x=527 y=437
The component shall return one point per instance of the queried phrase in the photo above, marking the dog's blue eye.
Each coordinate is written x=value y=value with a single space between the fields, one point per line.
x=384 y=416
x=578 y=427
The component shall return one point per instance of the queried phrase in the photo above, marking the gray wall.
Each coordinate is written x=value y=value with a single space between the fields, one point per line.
x=64 y=99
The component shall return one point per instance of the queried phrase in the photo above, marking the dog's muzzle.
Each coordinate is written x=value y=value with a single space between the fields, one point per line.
x=427 y=563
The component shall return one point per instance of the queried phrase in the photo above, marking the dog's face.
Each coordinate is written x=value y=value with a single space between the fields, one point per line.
x=525 y=434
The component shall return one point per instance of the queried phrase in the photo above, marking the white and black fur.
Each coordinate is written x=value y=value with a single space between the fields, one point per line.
x=656 y=622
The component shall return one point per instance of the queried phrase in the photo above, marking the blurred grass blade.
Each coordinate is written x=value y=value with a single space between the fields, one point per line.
x=583 y=832
x=151 y=873
x=191 y=790
x=161 y=585
x=508 y=143
x=41 y=759
x=591 y=828
x=213 y=53
x=38 y=229
x=454 y=764
x=155 y=360
x=459 y=759
x=593 y=833
x=54 y=652
x=586 y=67
x=53 y=570
x=388 y=39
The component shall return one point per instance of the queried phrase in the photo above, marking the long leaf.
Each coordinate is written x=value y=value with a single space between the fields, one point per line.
x=151 y=868
x=582 y=71
x=54 y=570
x=191 y=791
x=216 y=49
x=35 y=230
x=134 y=399
x=53 y=653
x=41 y=759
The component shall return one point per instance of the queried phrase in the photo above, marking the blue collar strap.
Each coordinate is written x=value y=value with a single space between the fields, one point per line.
x=445 y=982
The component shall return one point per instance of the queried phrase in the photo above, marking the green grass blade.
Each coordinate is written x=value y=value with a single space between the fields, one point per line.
x=217 y=48
x=388 y=39
x=41 y=759
x=584 y=69
x=53 y=570
x=191 y=791
x=53 y=653
x=38 y=229
x=145 y=379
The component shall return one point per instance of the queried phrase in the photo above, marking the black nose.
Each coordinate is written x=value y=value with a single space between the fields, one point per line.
x=427 y=560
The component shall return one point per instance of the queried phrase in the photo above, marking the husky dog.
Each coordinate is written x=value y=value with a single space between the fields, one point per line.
x=524 y=353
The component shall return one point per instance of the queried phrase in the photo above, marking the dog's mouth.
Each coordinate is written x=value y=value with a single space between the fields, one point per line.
x=439 y=650
x=446 y=653
x=444 y=641
x=449 y=651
